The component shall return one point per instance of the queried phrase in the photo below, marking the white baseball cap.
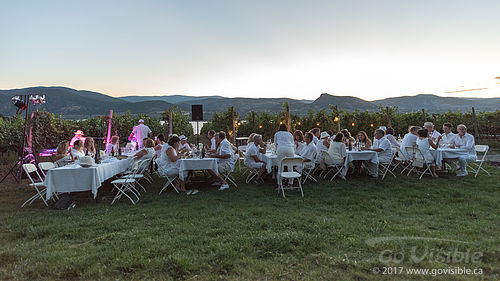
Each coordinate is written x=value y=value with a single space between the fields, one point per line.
x=182 y=137
x=141 y=121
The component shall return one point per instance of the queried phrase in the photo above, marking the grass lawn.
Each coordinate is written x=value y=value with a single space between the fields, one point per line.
x=251 y=233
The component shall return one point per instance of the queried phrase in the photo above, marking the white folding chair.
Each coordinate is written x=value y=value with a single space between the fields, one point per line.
x=474 y=166
x=335 y=169
x=45 y=166
x=36 y=183
x=402 y=160
x=308 y=171
x=241 y=155
x=252 y=171
x=126 y=184
x=384 y=167
x=290 y=174
x=228 y=177
x=139 y=173
x=418 y=161
x=171 y=180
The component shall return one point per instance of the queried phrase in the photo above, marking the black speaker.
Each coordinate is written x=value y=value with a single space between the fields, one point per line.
x=197 y=112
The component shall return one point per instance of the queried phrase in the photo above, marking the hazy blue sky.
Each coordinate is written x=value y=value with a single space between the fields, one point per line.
x=299 y=49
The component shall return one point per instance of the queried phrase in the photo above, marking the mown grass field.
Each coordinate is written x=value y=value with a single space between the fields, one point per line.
x=251 y=233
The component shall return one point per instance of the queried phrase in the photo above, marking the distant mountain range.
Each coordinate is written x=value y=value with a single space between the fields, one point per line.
x=78 y=104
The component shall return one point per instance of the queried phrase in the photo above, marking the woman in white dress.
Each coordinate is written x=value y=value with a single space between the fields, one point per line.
x=284 y=142
x=298 y=138
x=424 y=144
x=148 y=151
x=168 y=164
x=336 y=151
x=62 y=158
x=113 y=147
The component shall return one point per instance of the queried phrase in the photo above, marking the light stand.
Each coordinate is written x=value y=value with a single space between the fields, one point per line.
x=22 y=103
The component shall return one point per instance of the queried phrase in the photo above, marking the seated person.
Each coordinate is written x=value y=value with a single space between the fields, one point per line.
x=348 y=139
x=424 y=144
x=448 y=136
x=168 y=164
x=433 y=134
x=316 y=132
x=148 y=151
x=298 y=138
x=225 y=157
x=309 y=151
x=336 y=151
x=384 y=152
x=160 y=142
x=213 y=144
x=409 y=140
x=363 y=140
x=77 y=151
x=185 y=146
x=89 y=147
x=253 y=157
x=113 y=147
x=61 y=158
x=464 y=140
x=322 y=146
x=389 y=134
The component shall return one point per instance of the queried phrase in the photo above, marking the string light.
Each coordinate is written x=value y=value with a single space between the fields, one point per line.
x=371 y=125
x=260 y=126
x=298 y=123
x=352 y=124
x=317 y=124
x=281 y=122
x=336 y=119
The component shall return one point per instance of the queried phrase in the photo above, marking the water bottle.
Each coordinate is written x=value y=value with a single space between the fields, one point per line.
x=350 y=146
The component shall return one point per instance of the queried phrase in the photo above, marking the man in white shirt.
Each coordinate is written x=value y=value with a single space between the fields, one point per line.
x=253 y=157
x=309 y=151
x=184 y=146
x=320 y=147
x=409 y=140
x=225 y=159
x=383 y=148
x=464 y=141
x=433 y=134
x=316 y=134
x=141 y=132
x=448 y=136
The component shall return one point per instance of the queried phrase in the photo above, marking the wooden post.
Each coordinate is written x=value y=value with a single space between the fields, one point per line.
x=234 y=125
x=338 y=122
x=423 y=115
x=389 y=124
x=289 y=123
x=474 y=124
x=170 y=122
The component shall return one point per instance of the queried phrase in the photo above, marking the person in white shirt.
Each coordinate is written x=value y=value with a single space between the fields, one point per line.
x=185 y=146
x=464 y=141
x=336 y=151
x=160 y=142
x=433 y=134
x=148 y=152
x=113 y=146
x=322 y=148
x=253 y=155
x=225 y=159
x=424 y=144
x=448 y=136
x=384 y=152
x=298 y=138
x=316 y=134
x=409 y=140
x=213 y=144
x=168 y=164
x=389 y=134
x=284 y=142
x=309 y=151
x=141 y=132
x=77 y=150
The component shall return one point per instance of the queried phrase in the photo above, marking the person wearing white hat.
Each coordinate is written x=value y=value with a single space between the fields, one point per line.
x=324 y=137
x=185 y=146
x=433 y=134
x=141 y=132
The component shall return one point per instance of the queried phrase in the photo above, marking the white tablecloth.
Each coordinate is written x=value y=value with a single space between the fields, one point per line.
x=359 y=155
x=196 y=164
x=446 y=153
x=271 y=160
x=73 y=178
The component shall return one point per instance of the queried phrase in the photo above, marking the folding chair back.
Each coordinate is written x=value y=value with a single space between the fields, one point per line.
x=478 y=164
x=290 y=163
x=30 y=169
x=45 y=166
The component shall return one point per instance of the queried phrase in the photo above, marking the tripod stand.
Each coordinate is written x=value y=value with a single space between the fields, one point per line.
x=21 y=155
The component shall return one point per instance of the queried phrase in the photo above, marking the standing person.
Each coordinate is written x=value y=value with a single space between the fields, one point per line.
x=89 y=147
x=464 y=140
x=284 y=142
x=225 y=159
x=141 y=132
